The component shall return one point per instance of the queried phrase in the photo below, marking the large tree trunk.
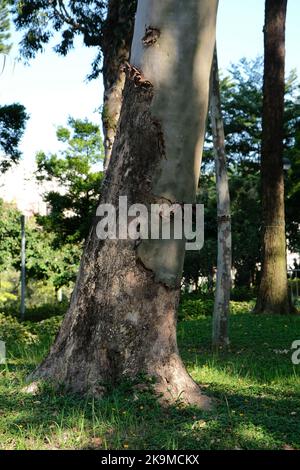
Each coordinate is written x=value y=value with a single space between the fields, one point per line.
x=222 y=296
x=122 y=317
x=116 y=44
x=273 y=292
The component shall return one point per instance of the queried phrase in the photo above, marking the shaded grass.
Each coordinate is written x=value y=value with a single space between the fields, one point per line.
x=255 y=384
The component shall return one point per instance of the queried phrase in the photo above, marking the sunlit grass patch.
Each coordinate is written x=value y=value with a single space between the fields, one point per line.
x=256 y=392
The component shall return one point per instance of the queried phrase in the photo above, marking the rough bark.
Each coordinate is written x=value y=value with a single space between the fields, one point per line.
x=122 y=317
x=116 y=44
x=273 y=291
x=222 y=295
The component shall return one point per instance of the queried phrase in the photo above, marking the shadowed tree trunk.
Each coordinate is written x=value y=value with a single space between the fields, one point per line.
x=122 y=318
x=116 y=44
x=222 y=296
x=273 y=291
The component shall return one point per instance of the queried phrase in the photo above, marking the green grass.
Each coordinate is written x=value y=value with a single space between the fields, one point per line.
x=255 y=385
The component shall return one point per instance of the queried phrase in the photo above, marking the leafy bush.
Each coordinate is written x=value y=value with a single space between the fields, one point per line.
x=195 y=309
x=12 y=331
x=15 y=333
x=241 y=307
x=48 y=327
x=241 y=294
x=37 y=313
x=6 y=297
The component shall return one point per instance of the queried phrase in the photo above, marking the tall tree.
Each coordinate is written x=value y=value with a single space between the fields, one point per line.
x=4 y=27
x=12 y=117
x=122 y=317
x=273 y=291
x=75 y=169
x=106 y=25
x=222 y=296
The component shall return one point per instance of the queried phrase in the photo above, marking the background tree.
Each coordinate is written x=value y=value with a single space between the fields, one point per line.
x=12 y=117
x=76 y=177
x=223 y=284
x=121 y=321
x=45 y=261
x=5 y=46
x=12 y=126
x=241 y=95
x=273 y=291
x=106 y=25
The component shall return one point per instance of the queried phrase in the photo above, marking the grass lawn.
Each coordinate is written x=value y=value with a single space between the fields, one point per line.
x=256 y=387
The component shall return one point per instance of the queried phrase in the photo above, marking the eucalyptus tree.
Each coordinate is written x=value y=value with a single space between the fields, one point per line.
x=223 y=285
x=122 y=317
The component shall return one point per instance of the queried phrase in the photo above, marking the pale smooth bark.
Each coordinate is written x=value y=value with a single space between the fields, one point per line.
x=222 y=295
x=122 y=318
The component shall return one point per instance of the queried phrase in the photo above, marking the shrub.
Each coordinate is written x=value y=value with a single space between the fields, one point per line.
x=45 y=328
x=12 y=331
x=6 y=297
x=195 y=309
x=241 y=307
x=241 y=294
x=15 y=333
x=37 y=313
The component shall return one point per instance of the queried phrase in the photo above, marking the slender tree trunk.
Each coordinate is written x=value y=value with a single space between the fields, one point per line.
x=222 y=295
x=273 y=291
x=116 y=44
x=122 y=317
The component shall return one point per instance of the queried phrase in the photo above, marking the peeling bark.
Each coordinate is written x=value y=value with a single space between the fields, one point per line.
x=222 y=295
x=122 y=317
x=273 y=291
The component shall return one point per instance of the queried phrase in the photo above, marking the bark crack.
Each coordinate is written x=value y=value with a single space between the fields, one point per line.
x=136 y=76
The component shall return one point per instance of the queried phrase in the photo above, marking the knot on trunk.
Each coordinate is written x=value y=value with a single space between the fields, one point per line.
x=151 y=36
x=224 y=218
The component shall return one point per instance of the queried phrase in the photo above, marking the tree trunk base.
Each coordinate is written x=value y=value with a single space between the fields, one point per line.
x=171 y=384
x=269 y=308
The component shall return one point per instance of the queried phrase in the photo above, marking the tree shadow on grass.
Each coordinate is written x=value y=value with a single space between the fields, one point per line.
x=257 y=404
x=134 y=420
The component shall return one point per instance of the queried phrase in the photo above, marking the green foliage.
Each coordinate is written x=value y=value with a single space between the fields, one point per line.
x=54 y=242
x=7 y=297
x=42 y=20
x=10 y=238
x=39 y=313
x=241 y=91
x=47 y=261
x=12 y=125
x=47 y=328
x=16 y=334
x=241 y=294
x=76 y=170
x=12 y=117
x=13 y=332
x=195 y=309
x=44 y=261
x=4 y=27
x=293 y=192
